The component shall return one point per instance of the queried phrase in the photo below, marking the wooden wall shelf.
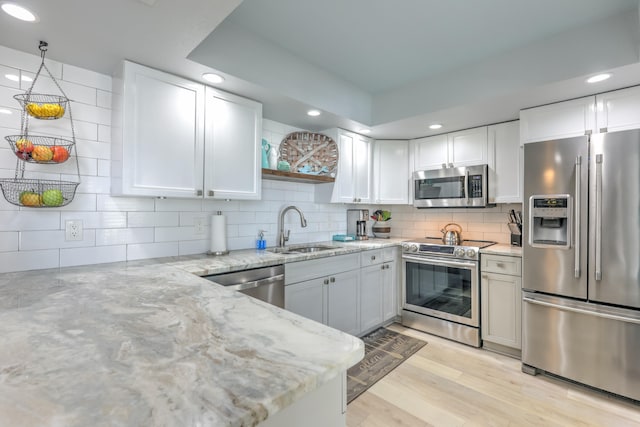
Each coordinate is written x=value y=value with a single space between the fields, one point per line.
x=295 y=177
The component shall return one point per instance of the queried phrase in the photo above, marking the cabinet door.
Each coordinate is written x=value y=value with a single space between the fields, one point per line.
x=391 y=172
x=618 y=110
x=158 y=150
x=362 y=167
x=306 y=299
x=501 y=309
x=371 y=293
x=344 y=186
x=430 y=152
x=561 y=120
x=343 y=302
x=468 y=147
x=505 y=163
x=389 y=291
x=232 y=147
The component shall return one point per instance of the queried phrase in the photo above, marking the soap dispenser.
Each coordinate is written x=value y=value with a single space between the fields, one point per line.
x=261 y=243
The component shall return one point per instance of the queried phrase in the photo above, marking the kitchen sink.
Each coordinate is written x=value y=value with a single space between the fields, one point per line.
x=300 y=249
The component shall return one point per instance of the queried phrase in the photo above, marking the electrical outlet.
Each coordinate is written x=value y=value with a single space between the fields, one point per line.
x=73 y=230
x=198 y=225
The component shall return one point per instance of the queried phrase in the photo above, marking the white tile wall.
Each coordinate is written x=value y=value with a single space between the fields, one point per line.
x=129 y=228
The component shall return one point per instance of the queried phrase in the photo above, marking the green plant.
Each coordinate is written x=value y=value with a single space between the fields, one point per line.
x=381 y=215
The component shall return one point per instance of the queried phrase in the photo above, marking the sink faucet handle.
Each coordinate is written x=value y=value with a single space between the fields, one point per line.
x=286 y=235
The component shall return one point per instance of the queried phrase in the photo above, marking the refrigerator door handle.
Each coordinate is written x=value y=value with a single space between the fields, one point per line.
x=578 y=213
x=598 y=213
x=581 y=310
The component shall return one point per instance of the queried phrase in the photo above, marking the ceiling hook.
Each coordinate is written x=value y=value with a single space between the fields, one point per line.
x=43 y=48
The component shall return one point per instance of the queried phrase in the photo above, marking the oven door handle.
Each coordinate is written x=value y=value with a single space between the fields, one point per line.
x=441 y=262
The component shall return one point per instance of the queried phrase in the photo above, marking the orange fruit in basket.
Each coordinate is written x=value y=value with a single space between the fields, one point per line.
x=60 y=154
x=29 y=198
x=42 y=153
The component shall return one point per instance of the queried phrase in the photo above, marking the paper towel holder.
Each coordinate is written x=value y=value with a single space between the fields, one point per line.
x=219 y=253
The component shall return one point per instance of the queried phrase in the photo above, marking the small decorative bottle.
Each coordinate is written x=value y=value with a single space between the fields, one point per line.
x=273 y=158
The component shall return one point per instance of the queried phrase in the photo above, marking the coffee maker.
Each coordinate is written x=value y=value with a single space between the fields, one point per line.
x=357 y=223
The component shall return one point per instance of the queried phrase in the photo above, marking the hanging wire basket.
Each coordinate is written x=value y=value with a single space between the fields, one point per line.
x=43 y=107
x=40 y=149
x=39 y=193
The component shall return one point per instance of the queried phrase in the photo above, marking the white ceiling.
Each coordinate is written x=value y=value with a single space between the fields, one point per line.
x=392 y=66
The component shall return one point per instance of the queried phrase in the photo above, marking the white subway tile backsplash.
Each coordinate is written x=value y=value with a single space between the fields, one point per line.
x=104 y=133
x=86 y=77
x=174 y=234
x=81 y=202
x=6 y=81
x=52 y=239
x=93 y=149
x=177 y=205
x=193 y=247
x=124 y=204
x=29 y=260
x=96 y=219
x=153 y=219
x=27 y=61
x=104 y=168
x=33 y=219
x=122 y=236
x=152 y=250
x=104 y=99
x=93 y=255
x=9 y=241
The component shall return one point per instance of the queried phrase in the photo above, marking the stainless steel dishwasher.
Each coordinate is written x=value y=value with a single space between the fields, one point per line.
x=265 y=283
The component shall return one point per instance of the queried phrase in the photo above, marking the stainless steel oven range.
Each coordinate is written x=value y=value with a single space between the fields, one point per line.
x=441 y=288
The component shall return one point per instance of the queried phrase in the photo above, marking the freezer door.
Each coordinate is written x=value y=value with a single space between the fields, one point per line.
x=550 y=167
x=614 y=219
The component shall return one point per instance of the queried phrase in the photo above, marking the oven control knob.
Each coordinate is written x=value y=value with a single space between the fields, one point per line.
x=459 y=252
x=471 y=253
x=405 y=247
x=414 y=248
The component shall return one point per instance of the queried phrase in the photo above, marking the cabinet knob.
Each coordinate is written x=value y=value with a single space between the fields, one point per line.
x=373 y=257
x=326 y=281
x=332 y=280
x=210 y=193
x=199 y=193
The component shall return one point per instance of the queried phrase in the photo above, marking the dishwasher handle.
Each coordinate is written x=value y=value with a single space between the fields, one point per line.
x=255 y=283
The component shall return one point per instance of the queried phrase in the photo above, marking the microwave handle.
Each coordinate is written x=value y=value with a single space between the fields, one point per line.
x=466 y=187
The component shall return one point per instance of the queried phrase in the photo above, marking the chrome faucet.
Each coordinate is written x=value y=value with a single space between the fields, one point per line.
x=282 y=236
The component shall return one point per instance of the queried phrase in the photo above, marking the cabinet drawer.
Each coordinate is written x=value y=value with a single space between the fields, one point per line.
x=501 y=264
x=372 y=257
x=389 y=254
x=295 y=272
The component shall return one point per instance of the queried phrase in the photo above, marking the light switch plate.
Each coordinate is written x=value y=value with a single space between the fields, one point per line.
x=73 y=230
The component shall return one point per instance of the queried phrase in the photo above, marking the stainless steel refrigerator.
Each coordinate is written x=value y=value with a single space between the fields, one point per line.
x=581 y=260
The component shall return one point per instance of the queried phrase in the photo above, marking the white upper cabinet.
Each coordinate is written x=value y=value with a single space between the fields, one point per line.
x=353 y=182
x=173 y=138
x=618 y=110
x=561 y=120
x=232 y=146
x=157 y=134
x=391 y=172
x=468 y=147
x=505 y=163
x=463 y=148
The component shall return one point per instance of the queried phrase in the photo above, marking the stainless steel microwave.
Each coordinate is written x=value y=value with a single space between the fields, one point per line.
x=461 y=187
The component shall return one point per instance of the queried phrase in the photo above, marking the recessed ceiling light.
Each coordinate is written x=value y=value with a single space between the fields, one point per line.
x=5 y=111
x=213 y=78
x=435 y=126
x=313 y=113
x=19 y=12
x=598 y=78
x=364 y=130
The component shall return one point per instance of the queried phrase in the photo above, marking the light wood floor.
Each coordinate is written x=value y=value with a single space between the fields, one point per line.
x=450 y=384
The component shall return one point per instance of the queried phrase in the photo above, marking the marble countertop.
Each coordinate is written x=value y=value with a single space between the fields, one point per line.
x=502 y=249
x=150 y=343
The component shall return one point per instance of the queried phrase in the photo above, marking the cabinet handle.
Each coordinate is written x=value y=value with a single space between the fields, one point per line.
x=373 y=257
x=500 y=265
x=199 y=193
x=332 y=280
x=484 y=276
x=326 y=281
x=210 y=193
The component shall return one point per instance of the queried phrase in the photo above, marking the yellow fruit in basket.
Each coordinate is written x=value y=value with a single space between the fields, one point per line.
x=41 y=153
x=29 y=198
x=60 y=112
x=34 y=109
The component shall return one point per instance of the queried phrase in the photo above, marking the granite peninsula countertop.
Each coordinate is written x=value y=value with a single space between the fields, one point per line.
x=148 y=343
x=502 y=249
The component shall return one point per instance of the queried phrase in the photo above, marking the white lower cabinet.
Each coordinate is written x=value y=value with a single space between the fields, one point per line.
x=336 y=291
x=501 y=303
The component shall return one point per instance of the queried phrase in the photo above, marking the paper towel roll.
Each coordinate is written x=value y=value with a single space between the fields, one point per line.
x=218 y=234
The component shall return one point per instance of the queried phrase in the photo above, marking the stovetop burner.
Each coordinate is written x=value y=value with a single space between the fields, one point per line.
x=468 y=249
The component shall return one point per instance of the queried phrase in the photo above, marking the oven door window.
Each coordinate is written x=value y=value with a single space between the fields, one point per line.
x=438 y=288
x=440 y=188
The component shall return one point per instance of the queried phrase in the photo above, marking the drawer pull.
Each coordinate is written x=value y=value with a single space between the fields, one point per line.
x=326 y=281
x=332 y=280
x=373 y=257
x=500 y=265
